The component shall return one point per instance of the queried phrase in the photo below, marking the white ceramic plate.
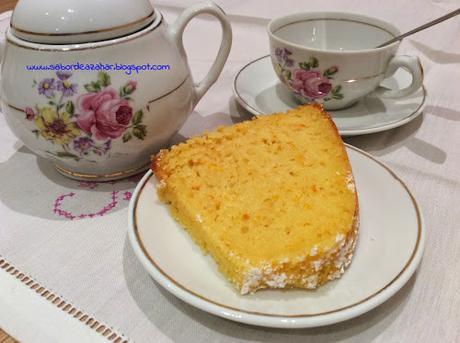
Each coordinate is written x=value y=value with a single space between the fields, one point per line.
x=257 y=88
x=389 y=249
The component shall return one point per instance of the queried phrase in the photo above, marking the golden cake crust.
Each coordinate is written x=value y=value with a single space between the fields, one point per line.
x=309 y=270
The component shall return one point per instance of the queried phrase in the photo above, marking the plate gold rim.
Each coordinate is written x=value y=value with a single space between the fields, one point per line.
x=408 y=263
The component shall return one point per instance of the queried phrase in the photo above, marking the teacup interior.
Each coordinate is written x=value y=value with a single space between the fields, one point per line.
x=334 y=34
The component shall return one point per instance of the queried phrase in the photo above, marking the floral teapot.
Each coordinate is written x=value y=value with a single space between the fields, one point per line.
x=98 y=86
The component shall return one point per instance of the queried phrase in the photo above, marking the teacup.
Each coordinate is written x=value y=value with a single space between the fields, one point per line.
x=331 y=57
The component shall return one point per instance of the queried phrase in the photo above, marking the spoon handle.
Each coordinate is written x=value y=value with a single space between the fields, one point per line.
x=420 y=28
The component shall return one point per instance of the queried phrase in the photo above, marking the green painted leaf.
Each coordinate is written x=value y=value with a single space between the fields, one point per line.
x=70 y=108
x=103 y=79
x=93 y=87
x=126 y=137
x=313 y=62
x=304 y=65
x=52 y=103
x=286 y=74
x=139 y=131
x=137 y=118
x=90 y=88
x=336 y=89
x=337 y=96
x=278 y=68
x=331 y=71
x=327 y=74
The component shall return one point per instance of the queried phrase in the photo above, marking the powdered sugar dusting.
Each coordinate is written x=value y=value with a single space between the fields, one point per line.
x=277 y=280
x=251 y=280
x=317 y=265
x=351 y=183
x=330 y=265
x=339 y=237
x=161 y=184
x=312 y=281
x=334 y=275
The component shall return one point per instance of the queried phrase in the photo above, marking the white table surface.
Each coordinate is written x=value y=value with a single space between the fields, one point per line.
x=90 y=264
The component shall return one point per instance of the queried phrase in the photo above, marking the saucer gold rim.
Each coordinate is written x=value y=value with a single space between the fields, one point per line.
x=343 y=132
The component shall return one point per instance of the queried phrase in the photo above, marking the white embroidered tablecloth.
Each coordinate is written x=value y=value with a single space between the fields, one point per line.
x=71 y=237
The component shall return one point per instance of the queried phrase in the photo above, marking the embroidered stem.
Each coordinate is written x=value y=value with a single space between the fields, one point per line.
x=71 y=216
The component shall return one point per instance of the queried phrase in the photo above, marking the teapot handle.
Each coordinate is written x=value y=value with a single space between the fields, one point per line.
x=177 y=31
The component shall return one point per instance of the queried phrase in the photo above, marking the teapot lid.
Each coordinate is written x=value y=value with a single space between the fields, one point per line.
x=78 y=21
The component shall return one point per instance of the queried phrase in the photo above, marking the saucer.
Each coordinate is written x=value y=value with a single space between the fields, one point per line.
x=389 y=249
x=258 y=90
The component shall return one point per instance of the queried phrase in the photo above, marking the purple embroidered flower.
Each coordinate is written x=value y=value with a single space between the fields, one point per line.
x=127 y=195
x=47 y=87
x=67 y=88
x=82 y=145
x=30 y=114
x=63 y=75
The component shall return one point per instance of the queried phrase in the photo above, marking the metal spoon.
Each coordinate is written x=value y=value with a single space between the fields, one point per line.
x=420 y=28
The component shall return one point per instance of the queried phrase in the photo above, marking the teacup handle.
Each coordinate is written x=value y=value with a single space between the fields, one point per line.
x=177 y=31
x=411 y=64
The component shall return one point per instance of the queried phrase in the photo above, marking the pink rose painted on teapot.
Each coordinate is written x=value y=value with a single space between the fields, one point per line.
x=103 y=114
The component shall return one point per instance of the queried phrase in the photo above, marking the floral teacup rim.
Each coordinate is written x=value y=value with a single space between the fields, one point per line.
x=382 y=25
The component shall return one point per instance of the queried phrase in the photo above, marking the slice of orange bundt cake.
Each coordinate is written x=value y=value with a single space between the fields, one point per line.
x=272 y=200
